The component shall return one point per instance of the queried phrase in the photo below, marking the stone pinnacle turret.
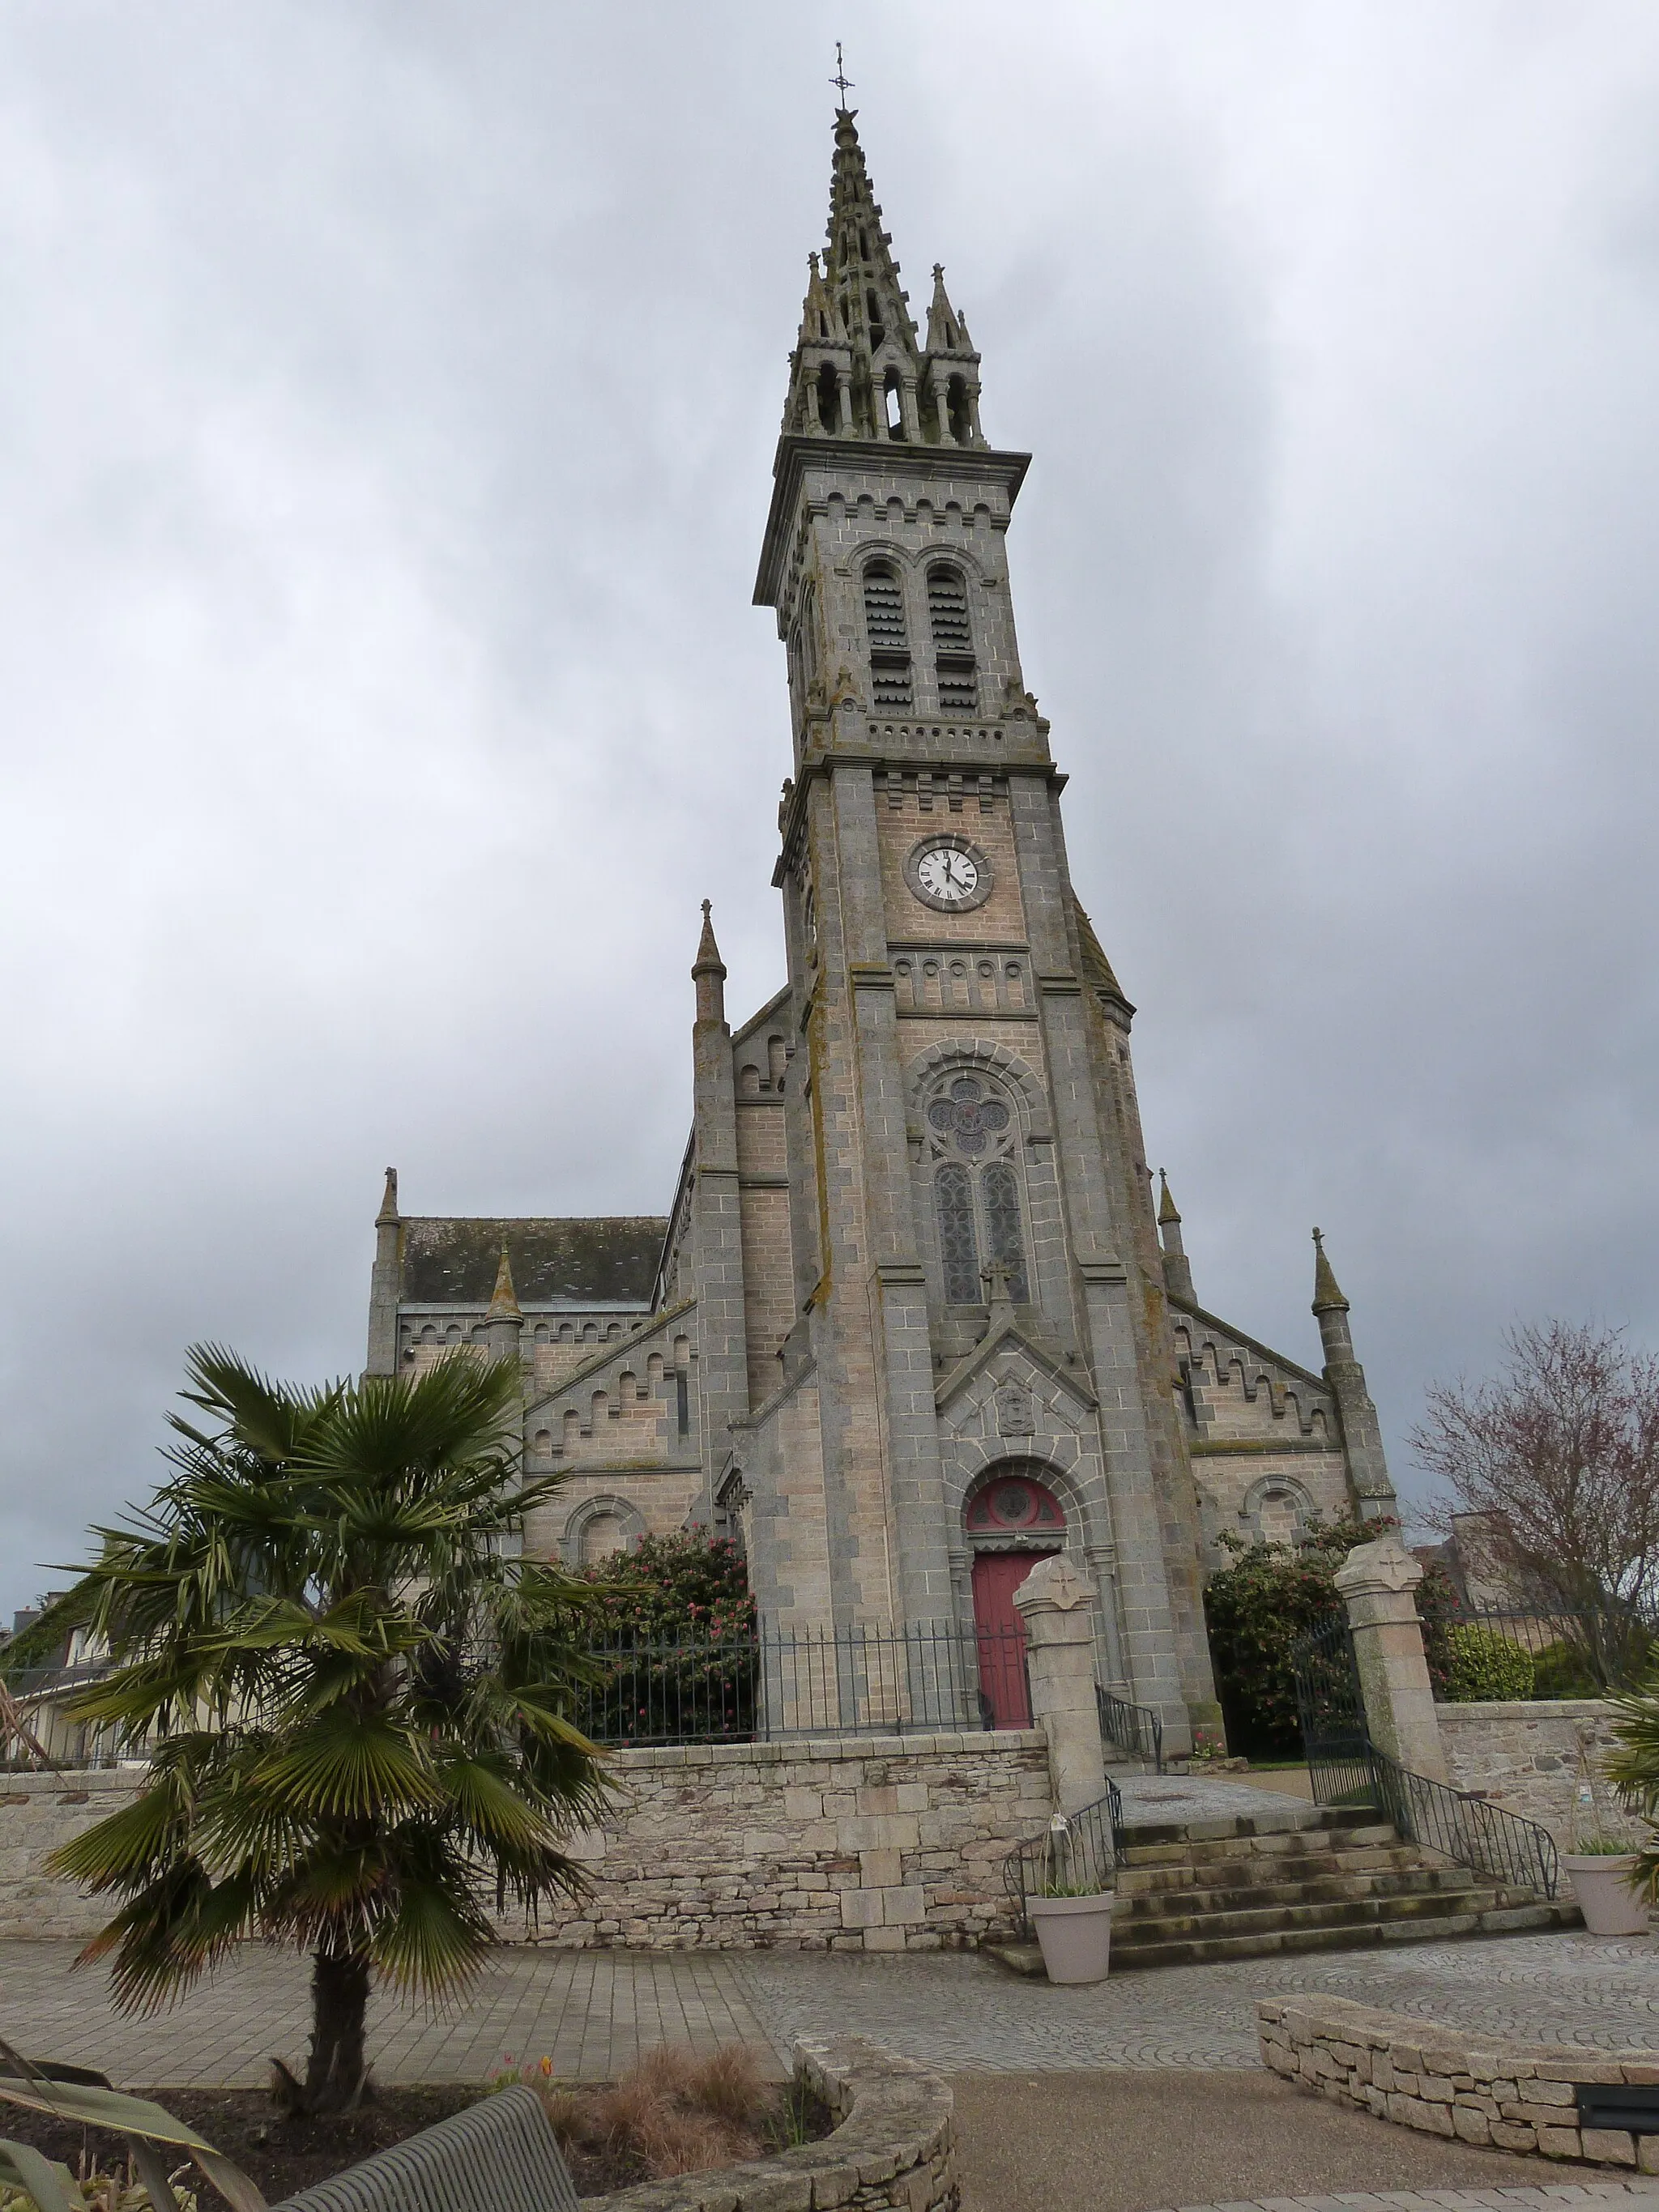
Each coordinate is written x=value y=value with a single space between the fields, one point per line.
x=503 y=1322
x=1362 y=1432
x=708 y=973
x=385 y=1283
x=1177 y=1268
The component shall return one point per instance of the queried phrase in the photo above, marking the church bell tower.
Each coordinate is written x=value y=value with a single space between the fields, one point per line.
x=982 y=1350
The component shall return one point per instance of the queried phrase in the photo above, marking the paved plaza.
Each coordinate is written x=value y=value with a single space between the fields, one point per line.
x=594 y=2012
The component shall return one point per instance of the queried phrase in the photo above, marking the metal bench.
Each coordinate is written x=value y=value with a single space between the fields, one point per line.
x=499 y=2156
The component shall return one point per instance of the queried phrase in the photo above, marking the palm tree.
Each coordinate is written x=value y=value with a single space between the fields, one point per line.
x=355 y=1691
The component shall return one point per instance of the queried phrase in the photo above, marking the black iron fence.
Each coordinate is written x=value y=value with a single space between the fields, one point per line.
x=774 y=1683
x=1136 y=1729
x=1076 y=1855
x=1541 y=1650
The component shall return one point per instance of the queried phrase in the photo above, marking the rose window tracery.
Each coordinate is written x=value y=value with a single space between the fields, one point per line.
x=967 y=1117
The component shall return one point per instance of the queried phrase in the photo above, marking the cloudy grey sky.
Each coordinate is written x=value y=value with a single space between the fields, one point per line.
x=387 y=394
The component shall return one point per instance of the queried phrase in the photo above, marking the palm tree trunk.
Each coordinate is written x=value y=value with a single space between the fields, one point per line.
x=336 y=2072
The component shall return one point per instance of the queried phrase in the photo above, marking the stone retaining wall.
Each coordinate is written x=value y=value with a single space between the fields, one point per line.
x=1524 y=1755
x=38 y=1812
x=894 y=2149
x=857 y=1844
x=1447 y=2082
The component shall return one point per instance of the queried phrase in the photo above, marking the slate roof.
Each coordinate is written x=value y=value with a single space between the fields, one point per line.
x=609 y=1259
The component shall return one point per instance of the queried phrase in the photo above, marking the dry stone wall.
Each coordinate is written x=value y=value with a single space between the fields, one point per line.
x=1445 y=2081
x=38 y=1812
x=857 y=1844
x=1524 y=1755
x=893 y=2148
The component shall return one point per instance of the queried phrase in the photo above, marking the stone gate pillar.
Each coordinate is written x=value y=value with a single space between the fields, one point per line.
x=1378 y=1585
x=1056 y=1602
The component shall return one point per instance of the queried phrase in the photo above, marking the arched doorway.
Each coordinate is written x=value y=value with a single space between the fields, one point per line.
x=1012 y=1522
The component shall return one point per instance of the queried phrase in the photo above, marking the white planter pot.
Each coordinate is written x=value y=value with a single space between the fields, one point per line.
x=1074 y=1935
x=1602 y=1885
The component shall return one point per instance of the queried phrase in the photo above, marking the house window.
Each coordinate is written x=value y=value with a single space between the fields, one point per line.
x=953 y=640
x=889 y=643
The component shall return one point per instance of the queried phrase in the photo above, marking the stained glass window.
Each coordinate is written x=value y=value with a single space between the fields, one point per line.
x=1002 y=1226
x=958 y=1246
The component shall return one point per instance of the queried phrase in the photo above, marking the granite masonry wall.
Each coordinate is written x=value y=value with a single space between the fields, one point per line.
x=855 y=1844
x=893 y=2148
x=38 y=1812
x=1447 y=2081
x=1524 y=1756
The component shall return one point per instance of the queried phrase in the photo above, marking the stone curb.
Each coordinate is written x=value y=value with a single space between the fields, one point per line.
x=1446 y=2081
x=893 y=2150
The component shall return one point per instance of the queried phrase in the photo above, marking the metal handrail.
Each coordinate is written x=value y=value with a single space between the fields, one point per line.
x=1088 y=1855
x=1463 y=1826
x=1347 y=1768
x=1134 y=1729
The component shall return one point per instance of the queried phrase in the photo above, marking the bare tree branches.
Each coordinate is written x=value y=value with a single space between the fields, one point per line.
x=1559 y=1455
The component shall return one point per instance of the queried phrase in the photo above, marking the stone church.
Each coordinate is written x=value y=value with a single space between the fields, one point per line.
x=912 y=1318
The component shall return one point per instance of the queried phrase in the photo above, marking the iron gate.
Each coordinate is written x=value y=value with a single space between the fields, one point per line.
x=1332 y=1712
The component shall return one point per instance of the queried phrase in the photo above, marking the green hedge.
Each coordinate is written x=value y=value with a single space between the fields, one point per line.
x=1482 y=1665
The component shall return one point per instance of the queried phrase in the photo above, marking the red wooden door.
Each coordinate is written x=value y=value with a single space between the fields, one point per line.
x=1001 y=1634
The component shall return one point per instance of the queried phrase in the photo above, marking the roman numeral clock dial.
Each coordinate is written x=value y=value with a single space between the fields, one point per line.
x=949 y=874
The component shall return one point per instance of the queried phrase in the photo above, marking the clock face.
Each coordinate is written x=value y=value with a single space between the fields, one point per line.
x=948 y=874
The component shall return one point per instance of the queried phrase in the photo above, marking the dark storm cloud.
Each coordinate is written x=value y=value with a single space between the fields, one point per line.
x=385 y=411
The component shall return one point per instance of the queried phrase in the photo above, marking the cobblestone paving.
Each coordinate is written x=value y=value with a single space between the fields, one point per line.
x=1207 y=1797
x=1592 y=2197
x=592 y=2012
x=957 y=2011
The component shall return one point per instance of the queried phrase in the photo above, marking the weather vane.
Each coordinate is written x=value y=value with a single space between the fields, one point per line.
x=843 y=82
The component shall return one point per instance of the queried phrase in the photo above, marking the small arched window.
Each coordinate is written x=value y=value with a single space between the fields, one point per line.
x=877 y=328
x=953 y=640
x=961 y=415
x=889 y=642
x=892 y=404
x=830 y=396
x=803 y=649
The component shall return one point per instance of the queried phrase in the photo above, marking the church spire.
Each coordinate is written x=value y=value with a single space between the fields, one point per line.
x=857 y=370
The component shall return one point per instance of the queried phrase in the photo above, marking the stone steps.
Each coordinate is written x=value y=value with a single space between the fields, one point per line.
x=1306 y=1879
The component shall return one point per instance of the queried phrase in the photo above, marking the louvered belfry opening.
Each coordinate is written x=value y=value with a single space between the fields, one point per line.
x=889 y=639
x=953 y=640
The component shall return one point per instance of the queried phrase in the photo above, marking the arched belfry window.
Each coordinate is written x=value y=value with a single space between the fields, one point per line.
x=971 y=1138
x=890 y=641
x=953 y=640
x=830 y=398
x=803 y=649
x=892 y=404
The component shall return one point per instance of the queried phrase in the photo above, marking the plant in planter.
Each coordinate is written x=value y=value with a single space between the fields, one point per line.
x=1604 y=1866
x=1071 y=1903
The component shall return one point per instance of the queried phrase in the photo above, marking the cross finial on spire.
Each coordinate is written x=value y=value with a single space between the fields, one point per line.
x=843 y=82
